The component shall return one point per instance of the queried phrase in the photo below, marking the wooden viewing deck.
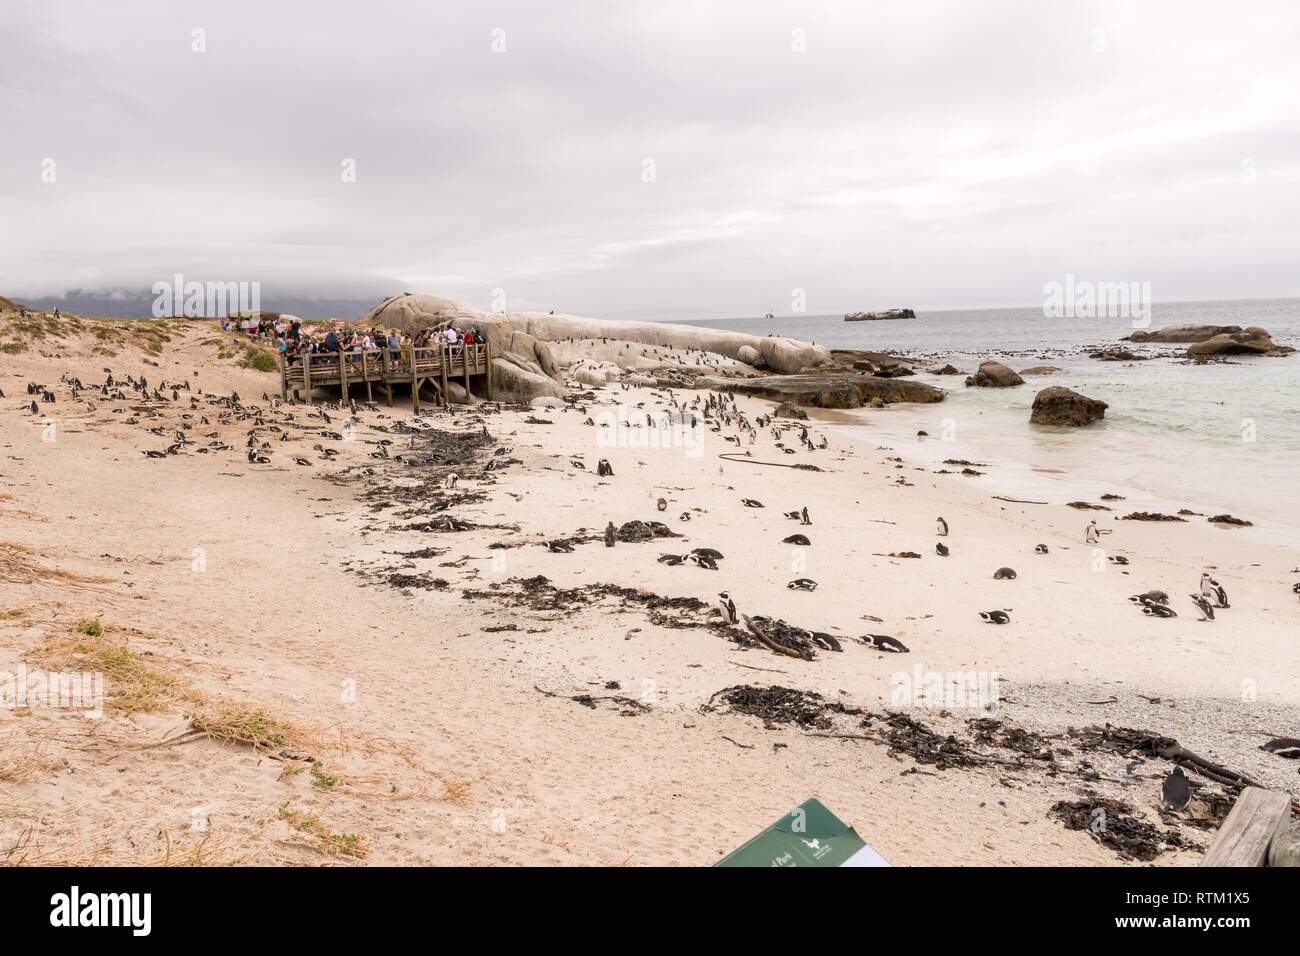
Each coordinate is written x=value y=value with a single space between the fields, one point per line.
x=387 y=367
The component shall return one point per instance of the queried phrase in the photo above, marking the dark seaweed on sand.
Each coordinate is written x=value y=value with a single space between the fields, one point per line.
x=539 y=594
x=633 y=531
x=1113 y=825
x=911 y=737
x=780 y=705
x=417 y=581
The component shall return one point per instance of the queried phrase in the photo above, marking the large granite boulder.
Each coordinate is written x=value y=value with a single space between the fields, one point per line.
x=529 y=349
x=517 y=380
x=1063 y=406
x=830 y=390
x=1251 y=341
x=994 y=375
x=591 y=372
x=522 y=367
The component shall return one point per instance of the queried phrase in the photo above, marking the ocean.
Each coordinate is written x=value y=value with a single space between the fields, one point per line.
x=1223 y=437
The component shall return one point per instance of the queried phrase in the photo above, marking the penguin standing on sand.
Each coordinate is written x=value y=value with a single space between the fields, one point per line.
x=1092 y=535
x=728 y=608
x=1212 y=590
x=1204 y=606
x=609 y=535
x=941 y=549
x=1176 y=791
x=941 y=526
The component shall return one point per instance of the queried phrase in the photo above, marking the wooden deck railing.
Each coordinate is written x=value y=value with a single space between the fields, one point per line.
x=386 y=367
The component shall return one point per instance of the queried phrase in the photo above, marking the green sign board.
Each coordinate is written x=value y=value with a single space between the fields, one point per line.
x=809 y=835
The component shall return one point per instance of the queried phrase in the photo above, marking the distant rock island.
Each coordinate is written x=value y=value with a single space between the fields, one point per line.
x=877 y=316
x=1215 y=340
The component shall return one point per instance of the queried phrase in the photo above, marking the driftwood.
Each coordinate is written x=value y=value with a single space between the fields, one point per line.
x=1018 y=501
x=771 y=644
x=739 y=458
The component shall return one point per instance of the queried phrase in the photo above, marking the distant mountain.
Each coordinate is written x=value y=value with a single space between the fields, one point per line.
x=130 y=305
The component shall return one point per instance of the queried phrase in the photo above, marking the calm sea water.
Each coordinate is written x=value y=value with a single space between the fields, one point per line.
x=1220 y=437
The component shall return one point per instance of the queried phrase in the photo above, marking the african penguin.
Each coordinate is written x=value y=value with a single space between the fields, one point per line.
x=1212 y=590
x=1176 y=791
x=728 y=608
x=883 y=642
x=1204 y=606
x=1287 y=747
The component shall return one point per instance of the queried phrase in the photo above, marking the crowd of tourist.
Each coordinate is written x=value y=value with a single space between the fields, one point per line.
x=294 y=341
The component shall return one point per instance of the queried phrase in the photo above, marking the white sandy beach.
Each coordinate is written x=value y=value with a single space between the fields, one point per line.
x=448 y=743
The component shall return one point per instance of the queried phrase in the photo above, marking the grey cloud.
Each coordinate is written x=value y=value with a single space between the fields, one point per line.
x=928 y=154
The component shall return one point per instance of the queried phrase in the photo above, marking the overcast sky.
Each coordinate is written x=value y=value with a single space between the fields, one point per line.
x=872 y=154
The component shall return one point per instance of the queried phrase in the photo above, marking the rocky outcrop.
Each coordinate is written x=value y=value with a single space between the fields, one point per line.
x=591 y=372
x=790 y=410
x=877 y=316
x=1063 y=406
x=1215 y=340
x=1040 y=370
x=873 y=363
x=749 y=355
x=994 y=375
x=778 y=354
x=829 y=390
x=1118 y=355
x=523 y=368
x=1181 y=333
x=1251 y=341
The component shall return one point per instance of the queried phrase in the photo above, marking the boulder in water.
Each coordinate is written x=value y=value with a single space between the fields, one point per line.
x=1062 y=406
x=994 y=375
x=1251 y=341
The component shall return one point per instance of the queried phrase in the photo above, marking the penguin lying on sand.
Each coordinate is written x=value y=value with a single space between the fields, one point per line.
x=883 y=642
